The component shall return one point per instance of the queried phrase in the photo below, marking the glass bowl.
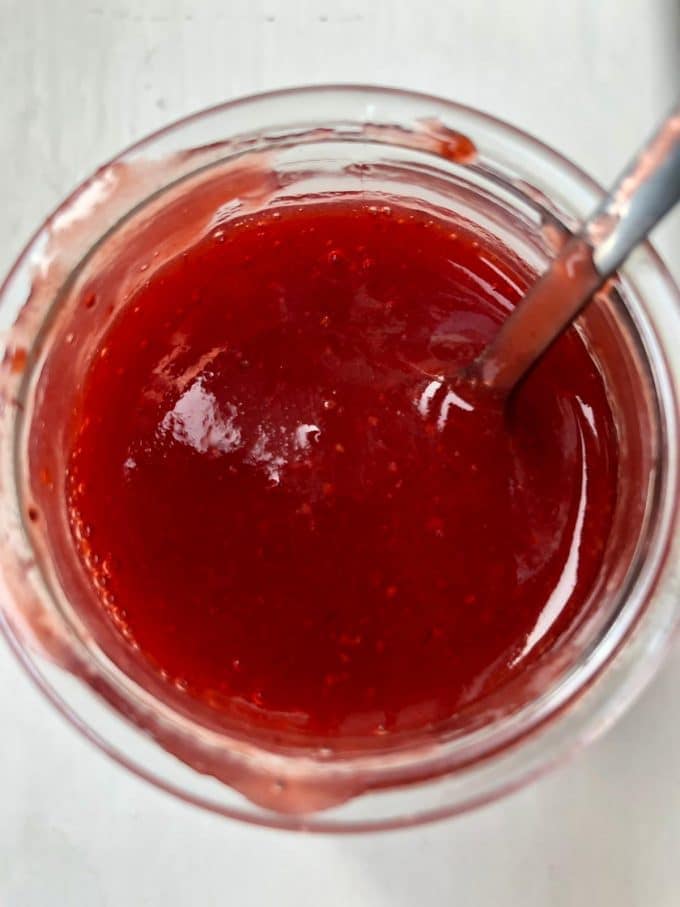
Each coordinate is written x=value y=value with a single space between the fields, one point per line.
x=262 y=150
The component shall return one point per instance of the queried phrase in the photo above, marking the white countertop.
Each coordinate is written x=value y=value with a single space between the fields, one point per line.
x=82 y=78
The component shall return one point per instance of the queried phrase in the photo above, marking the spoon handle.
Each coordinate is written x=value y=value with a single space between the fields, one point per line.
x=643 y=194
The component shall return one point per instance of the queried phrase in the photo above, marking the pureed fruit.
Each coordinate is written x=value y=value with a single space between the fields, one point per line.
x=291 y=518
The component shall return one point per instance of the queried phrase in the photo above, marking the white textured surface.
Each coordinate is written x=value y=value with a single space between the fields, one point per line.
x=82 y=78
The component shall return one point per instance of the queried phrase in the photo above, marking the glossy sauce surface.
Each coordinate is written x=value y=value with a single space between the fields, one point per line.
x=288 y=513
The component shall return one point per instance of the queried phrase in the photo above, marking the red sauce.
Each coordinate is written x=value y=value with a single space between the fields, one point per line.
x=286 y=511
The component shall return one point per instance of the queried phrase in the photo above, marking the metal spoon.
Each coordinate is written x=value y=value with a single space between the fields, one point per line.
x=647 y=189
